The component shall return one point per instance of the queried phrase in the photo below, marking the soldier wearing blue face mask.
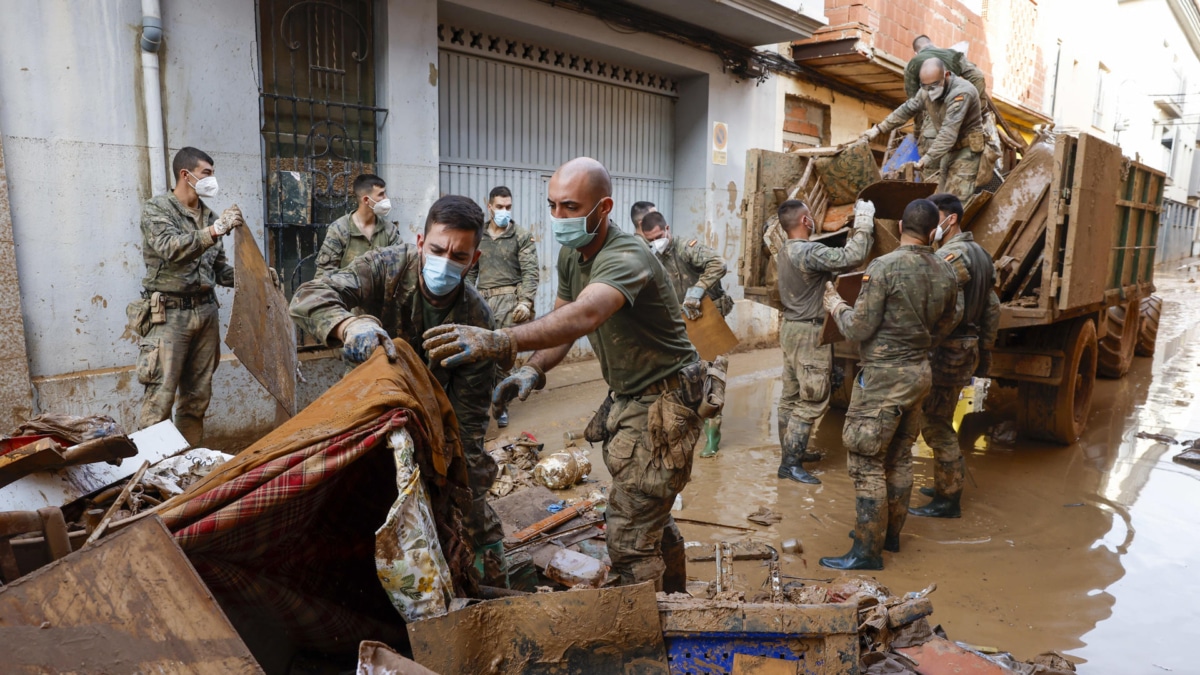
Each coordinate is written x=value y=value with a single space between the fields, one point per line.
x=402 y=291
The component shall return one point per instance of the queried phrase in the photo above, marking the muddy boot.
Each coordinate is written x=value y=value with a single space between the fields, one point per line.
x=866 y=553
x=795 y=442
x=674 y=579
x=898 y=499
x=948 y=476
x=712 y=429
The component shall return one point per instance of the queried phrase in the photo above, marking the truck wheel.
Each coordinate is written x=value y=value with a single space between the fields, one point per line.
x=1059 y=413
x=1117 y=347
x=1148 y=330
x=839 y=397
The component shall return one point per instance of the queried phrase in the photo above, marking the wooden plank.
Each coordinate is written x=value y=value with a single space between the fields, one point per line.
x=1016 y=199
x=1092 y=220
x=744 y=664
x=130 y=604
x=37 y=456
x=848 y=286
x=710 y=335
x=261 y=333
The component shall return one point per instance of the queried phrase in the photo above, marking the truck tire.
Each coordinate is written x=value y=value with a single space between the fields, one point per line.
x=1148 y=329
x=1117 y=347
x=839 y=396
x=1060 y=413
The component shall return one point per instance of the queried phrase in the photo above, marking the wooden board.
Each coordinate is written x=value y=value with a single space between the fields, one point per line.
x=1016 y=199
x=744 y=664
x=1092 y=221
x=891 y=197
x=848 y=286
x=131 y=603
x=710 y=335
x=261 y=333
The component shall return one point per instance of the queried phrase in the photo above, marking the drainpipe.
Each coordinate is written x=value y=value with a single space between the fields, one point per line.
x=151 y=40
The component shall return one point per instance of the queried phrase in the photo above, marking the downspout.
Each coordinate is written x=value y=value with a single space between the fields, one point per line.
x=151 y=40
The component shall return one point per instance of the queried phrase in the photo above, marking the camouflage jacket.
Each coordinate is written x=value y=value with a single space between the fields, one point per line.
x=805 y=266
x=956 y=62
x=345 y=242
x=955 y=116
x=510 y=259
x=181 y=256
x=384 y=283
x=689 y=263
x=981 y=306
x=909 y=302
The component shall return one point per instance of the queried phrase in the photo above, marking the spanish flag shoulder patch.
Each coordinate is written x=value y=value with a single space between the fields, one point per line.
x=866 y=278
x=691 y=243
x=960 y=97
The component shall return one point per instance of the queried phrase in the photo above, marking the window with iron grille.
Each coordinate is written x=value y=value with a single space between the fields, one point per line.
x=319 y=119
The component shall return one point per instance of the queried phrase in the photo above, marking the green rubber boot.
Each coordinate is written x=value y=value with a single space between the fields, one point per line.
x=712 y=429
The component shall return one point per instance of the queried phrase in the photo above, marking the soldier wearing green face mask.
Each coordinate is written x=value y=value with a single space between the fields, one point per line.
x=364 y=229
x=404 y=290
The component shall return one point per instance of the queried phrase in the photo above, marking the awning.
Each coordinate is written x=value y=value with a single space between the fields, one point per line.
x=749 y=22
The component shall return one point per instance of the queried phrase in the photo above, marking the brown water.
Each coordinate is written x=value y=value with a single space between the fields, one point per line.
x=1089 y=549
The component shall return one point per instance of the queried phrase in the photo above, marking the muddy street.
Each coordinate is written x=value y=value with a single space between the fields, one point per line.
x=1085 y=549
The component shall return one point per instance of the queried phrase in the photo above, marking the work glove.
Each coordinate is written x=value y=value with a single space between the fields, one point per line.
x=230 y=218
x=361 y=335
x=519 y=384
x=833 y=302
x=691 y=302
x=868 y=135
x=864 y=215
x=455 y=344
x=275 y=280
x=985 y=363
x=522 y=313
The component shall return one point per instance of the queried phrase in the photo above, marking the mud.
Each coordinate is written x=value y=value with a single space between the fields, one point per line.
x=1082 y=549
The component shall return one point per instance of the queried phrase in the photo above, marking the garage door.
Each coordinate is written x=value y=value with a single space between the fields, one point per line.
x=504 y=123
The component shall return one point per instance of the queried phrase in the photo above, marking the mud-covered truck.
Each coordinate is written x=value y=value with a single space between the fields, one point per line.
x=1072 y=229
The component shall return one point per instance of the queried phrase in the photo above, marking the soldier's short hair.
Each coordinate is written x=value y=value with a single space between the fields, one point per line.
x=187 y=159
x=499 y=191
x=367 y=182
x=639 y=210
x=652 y=221
x=790 y=211
x=456 y=212
x=920 y=217
x=919 y=40
x=948 y=204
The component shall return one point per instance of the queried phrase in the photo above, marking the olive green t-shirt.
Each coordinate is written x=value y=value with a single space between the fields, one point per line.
x=645 y=341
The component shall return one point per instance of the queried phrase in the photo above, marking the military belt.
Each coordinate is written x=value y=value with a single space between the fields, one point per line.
x=678 y=380
x=814 y=322
x=499 y=290
x=174 y=301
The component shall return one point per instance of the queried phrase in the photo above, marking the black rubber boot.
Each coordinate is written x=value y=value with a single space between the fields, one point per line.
x=898 y=499
x=947 y=498
x=675 y=577
x=866 y=553
x=795 y=442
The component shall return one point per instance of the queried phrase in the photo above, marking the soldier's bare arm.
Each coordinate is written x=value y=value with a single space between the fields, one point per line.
x=551 y=357
x=570 y=320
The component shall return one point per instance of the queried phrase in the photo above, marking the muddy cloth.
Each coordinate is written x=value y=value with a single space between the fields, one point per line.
x=384 y=283
x=847 y=173
x=284 y=533
x=689 y=263
x=509 y=260
x=805 y=267
x=176 y=361
x=181 y=256
x=345 y=242
x=70 y=428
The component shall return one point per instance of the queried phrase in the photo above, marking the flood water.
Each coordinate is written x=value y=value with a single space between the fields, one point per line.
x=1090 y=549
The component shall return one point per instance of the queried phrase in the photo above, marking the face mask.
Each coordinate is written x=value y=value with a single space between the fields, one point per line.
x=205 y=187
x=660 y=245
x=381 y=207
x=940 y=232
x=935 y=92
x=502 y=218
x=572 y=232
x=441 y=275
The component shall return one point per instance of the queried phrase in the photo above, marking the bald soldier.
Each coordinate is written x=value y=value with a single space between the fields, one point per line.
x=612 y=289
x=957 y=63
x=952 y=106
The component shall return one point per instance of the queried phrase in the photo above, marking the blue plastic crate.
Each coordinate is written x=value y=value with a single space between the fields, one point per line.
x=711 y=653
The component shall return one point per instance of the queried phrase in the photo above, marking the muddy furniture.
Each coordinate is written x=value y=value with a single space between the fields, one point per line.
x=1072 y=230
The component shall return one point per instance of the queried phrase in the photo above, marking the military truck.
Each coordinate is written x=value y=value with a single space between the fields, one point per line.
x=1072 y=229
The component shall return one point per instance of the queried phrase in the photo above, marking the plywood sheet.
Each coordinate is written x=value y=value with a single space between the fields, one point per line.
x=1093 y=217
x=261 y=332
x=131 y=603
x=710 y=335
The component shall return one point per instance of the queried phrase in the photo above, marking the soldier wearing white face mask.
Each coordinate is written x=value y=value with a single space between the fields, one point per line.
x=364 y=229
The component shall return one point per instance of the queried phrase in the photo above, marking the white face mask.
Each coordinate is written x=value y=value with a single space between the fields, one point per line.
x=502 y=218
x=940 y=231
x=381 y=207
x=205 y=187
x=660 y=245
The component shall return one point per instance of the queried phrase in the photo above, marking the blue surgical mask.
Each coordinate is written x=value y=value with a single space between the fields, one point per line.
x=441 y=275
x=573 y=232
x=502 y=218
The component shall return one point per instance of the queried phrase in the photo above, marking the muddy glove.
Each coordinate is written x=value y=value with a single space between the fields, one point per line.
x=230 y=218
x=517 y=385
x=833 y=302
x=985 y=363
x=691 y=302
x=455 y=345
x=864 y=215
x=868 y=135
x=522 y=313
x=361 y=335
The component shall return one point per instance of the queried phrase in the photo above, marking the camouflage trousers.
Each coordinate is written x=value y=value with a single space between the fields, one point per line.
x=959 y=170
x=482 y=523
x=639 y=522
x=180 y=354
x=806 y=372
x=882 y=424
x=952 y=364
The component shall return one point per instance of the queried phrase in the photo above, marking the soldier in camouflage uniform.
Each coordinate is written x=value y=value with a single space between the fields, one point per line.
x=957 y=63
x=909 y=302
x=364 y=229
x=694 y=270
x=613 y=290
x=804 y=267
x=637 y=212
x=184 y=261
x=952 y=106
x=507 y=273
x=404 y=290
x=963 y=353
